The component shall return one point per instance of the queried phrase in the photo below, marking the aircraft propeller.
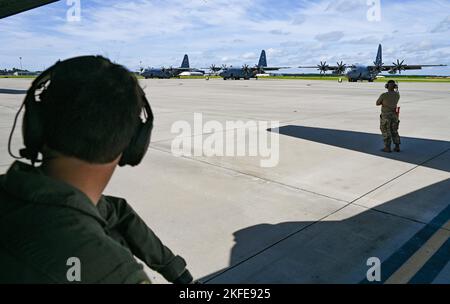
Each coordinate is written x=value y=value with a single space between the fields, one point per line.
x=323 y=67
x=378 y=67
x=246 y=68
x=259 y=69
x=169 y=69
x=341 y=67
x=214 y=68
x=399 y=66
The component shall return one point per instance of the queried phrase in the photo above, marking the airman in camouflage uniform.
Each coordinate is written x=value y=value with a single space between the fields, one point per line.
x=389 y=120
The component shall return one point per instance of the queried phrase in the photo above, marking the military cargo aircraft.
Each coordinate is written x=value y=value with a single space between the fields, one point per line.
x=245 y=72
x=367 y=72
x=170 y=72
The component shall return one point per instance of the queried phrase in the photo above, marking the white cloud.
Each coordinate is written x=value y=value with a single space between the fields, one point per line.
x=443 y=26
x=279 y=32
x=249 y=55
x=330 y=36
x=228 y=31
x=345 y=6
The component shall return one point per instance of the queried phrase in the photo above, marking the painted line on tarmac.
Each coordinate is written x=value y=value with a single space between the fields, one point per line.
x=408 y=270
x=432 y=269
x=434 y=233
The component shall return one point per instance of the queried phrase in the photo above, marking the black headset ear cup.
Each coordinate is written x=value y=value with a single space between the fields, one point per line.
x=32 y=128
x=138 y=146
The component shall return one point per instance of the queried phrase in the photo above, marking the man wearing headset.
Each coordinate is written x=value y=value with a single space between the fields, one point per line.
x=85 y=116
x=389 y=118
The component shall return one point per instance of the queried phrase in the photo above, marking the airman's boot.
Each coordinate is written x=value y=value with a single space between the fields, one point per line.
x=387 y=149
x=397 y=148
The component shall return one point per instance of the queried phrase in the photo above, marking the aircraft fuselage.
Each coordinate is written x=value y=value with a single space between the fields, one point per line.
x=159 y=73
x=360 y=72
x=236 y=73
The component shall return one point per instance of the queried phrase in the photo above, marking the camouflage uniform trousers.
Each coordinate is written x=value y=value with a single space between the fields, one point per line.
x=389 y=124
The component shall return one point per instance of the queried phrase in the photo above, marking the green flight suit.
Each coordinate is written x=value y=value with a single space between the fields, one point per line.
x=45 y=222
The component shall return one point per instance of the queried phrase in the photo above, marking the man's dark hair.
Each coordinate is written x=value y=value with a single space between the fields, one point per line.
x=91 y=109
x=391 y=81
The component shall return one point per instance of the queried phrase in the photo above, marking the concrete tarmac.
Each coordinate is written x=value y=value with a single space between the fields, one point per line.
x=332 y=201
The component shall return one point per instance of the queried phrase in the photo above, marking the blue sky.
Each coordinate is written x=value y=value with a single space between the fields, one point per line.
x=159 y=32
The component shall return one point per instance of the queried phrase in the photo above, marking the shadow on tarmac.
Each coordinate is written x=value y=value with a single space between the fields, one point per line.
x=414 y=150
x=337 y=251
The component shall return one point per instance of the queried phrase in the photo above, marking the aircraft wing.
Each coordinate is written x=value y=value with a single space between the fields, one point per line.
x=328 y=68
x=215 y=69
x=181 y=70
x=406 y=67
x=412 y=67
x=273 y=68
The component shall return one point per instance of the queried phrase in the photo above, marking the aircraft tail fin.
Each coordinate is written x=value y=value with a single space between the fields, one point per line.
x=379 y=59
x=185 y=63
x=262 y=59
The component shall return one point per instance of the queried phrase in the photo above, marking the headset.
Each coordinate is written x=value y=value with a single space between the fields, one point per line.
x=33 y=128
x=390 y=81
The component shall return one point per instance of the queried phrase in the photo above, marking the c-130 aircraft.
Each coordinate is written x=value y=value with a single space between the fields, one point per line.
x=368 y=72
x=246 y=72
x=169 y=72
